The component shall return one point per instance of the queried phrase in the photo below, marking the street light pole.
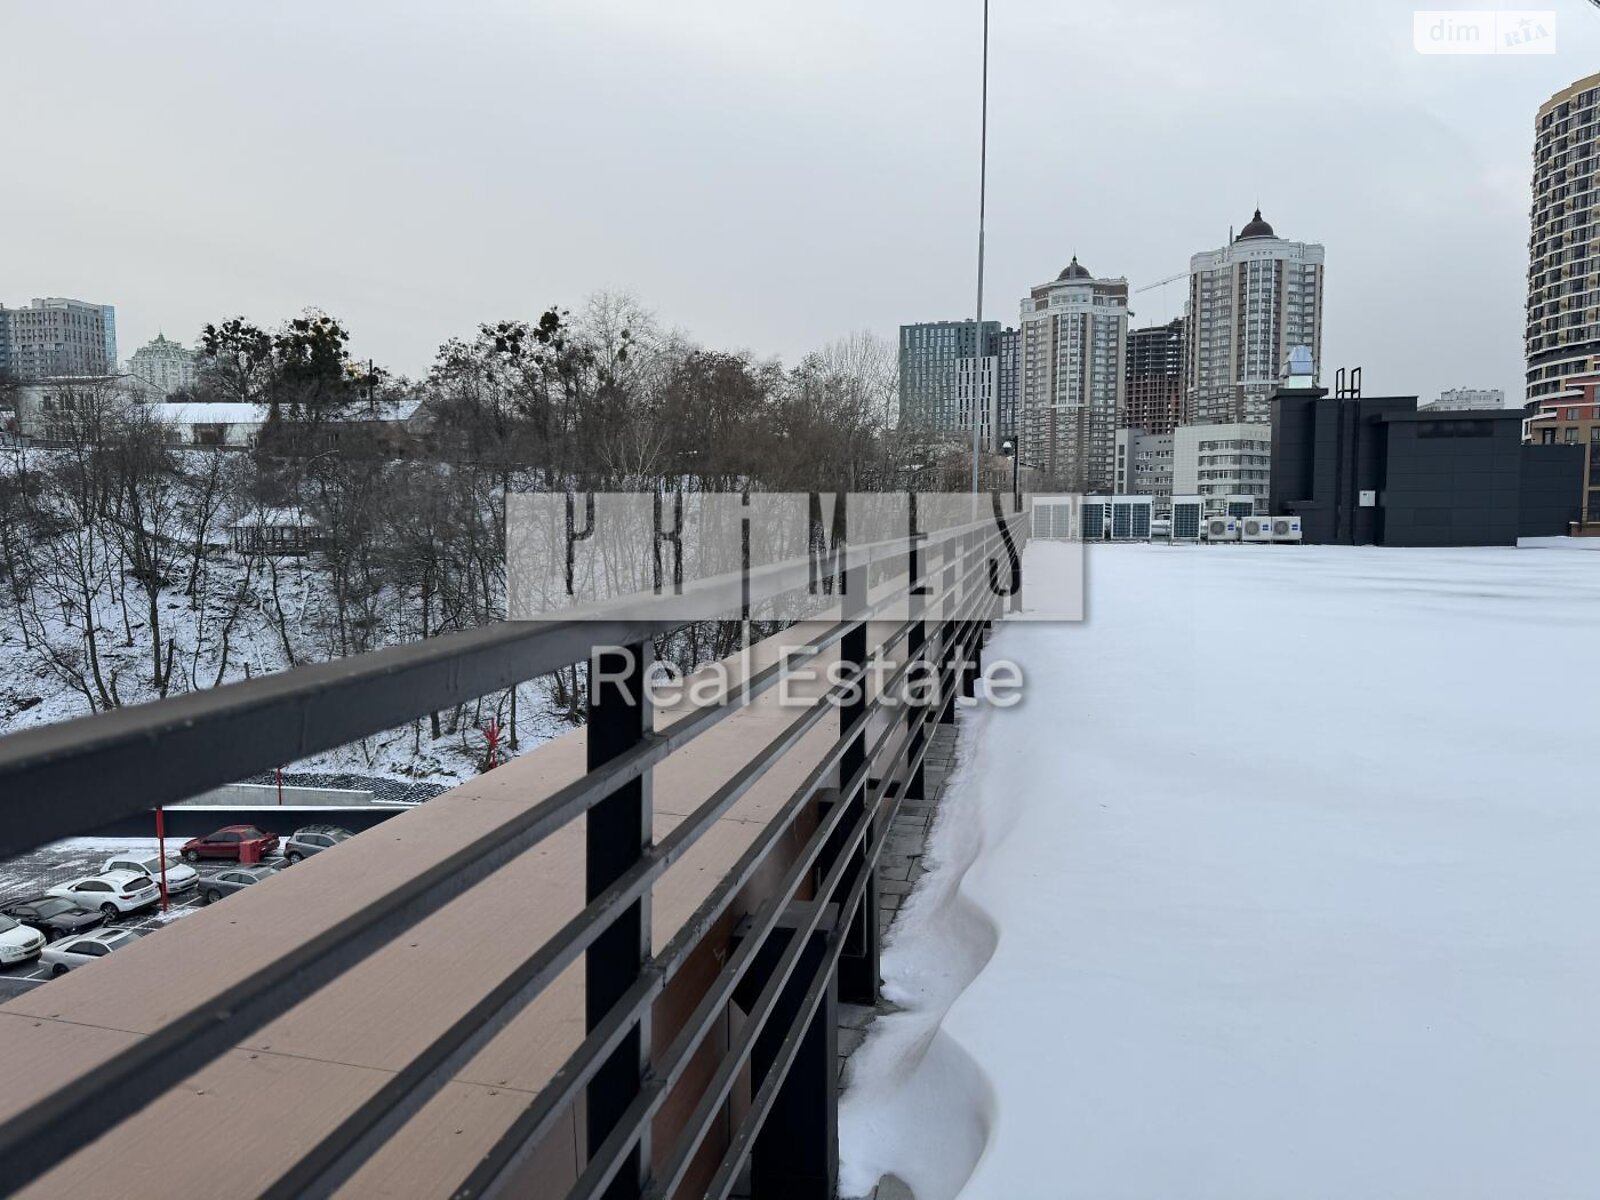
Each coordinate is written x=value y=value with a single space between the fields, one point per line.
x=983 y=186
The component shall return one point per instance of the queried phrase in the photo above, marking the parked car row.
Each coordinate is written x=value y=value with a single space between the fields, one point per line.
x=306 y=841
x=61 y=927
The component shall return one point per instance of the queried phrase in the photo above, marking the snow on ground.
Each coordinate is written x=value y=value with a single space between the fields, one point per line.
x=1282 y=881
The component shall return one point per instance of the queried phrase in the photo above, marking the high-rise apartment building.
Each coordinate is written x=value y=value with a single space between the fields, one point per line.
x=56 y=336
x=947 y=366
x=1250 y=304
x=1074 y=380
x=162 y=367
x=1562 y=339
x=1008 y=383
x=1155 y=378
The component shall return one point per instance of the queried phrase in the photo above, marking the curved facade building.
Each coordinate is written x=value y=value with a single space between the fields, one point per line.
x=1563 y=331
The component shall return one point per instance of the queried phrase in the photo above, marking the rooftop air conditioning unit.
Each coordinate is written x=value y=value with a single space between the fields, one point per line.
x=1096 y=519
x=1286 y=529
x=1187 y=518
x=1255 y=529
x=1055 y=517
x=1130 y=518
x=1221 y=529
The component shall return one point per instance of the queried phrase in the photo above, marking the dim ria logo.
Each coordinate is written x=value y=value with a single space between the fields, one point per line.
x=1475 y=31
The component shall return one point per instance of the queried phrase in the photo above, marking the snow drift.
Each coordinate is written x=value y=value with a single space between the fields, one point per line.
x=1281 y=881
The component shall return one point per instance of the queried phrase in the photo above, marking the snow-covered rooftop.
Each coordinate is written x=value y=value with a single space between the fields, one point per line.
x=212 y=413
x=1278 y=883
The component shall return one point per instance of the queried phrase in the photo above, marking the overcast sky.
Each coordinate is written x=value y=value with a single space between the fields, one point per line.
x=764 y=174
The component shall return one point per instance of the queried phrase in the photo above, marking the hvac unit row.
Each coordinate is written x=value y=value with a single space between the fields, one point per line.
x=1251 y=529
x=1117 y=518
x=1132 y=518
x=1093 y=518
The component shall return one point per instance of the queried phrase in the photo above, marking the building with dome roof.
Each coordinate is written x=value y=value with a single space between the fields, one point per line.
x=1250 y=304
x=162 y=367
x=1074 y=334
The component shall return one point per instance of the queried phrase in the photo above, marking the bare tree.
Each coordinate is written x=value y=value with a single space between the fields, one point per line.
x=142 y=509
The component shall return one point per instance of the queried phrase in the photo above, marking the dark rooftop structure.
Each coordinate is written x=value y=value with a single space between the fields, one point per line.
x=1374 y=471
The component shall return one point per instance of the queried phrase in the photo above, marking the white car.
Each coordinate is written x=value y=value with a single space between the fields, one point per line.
x=18 y=943
x=180 y=877
x=83 y=948
x=113 y=893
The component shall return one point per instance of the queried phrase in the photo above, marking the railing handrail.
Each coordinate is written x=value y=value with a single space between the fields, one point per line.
x=168 y=750
x=50 y=1130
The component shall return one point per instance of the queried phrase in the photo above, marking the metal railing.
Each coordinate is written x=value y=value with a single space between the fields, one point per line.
x=793 y=958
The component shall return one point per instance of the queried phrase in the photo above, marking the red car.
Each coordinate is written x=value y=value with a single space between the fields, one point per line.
x=245 y=843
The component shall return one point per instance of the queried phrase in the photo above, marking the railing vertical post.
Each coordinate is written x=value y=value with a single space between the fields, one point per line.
x=796 y=1154
x=1019 y=535
x=858 y=961
x=916 y=640
x=618 y=831
x=980 y=557
x=947 y=633
x=973 y=626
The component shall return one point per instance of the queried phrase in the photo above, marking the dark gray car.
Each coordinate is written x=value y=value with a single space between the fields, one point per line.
x=53 y=916
x=225 y=883
x=314 y=839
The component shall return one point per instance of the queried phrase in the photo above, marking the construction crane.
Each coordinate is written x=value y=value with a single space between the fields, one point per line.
x=1160 y=283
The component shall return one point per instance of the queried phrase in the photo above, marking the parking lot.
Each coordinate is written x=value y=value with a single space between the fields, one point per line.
x=32 y=874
